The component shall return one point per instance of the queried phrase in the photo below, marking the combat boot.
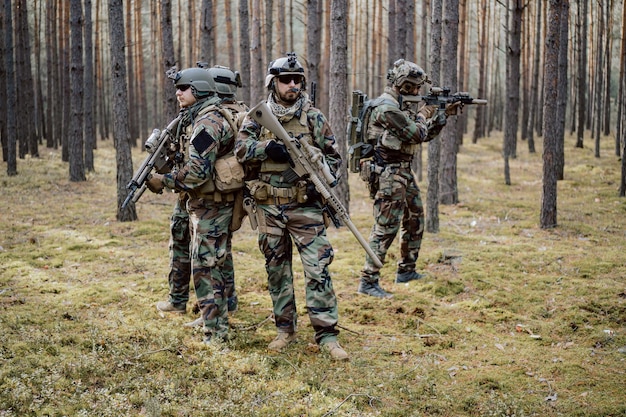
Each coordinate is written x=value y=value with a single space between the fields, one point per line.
x=168 y=307
x=404 y=277
x=336 y=351
x=281 y=341
x=373 y=289
x=233 y=303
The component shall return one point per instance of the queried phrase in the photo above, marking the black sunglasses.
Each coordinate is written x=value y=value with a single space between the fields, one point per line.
x=182 y=87
x=286 y=79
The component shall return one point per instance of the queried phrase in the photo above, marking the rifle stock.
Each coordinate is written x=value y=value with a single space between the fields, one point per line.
x=308 y=161
x=156 y=145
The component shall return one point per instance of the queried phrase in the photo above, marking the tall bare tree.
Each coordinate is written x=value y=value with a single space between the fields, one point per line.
x=582 y=24
x=339 y=81
x=257 y=66
x=76 y=141
x=511 y=115
x=550 y=131
x=448 y=191
x=206 y=33
x=26 y=98
x=562 y=94
x=434 y=146
x=88 y=96
x=244 y=51
x=121 y=132
x=314 y=40
x=11 y=91
x=170 y=106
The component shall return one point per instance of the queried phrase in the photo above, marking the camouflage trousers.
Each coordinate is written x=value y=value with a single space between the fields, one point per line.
x=397 y=207
x=210 y=249
x=179 y=277
x=279 y=228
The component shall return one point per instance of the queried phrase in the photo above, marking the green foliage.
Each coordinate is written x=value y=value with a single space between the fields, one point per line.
x=511 y=320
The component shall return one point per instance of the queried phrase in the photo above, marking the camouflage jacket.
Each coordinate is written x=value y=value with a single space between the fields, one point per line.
x=211 y=136
x=253 y=138
x=397 y=133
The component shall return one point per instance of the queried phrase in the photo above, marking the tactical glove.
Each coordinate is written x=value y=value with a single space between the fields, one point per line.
x=155 y=183
x=277 y=152
x=452 y=108
x=428 y=111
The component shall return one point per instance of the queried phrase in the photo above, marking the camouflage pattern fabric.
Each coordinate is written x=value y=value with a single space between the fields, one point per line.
x=212 y=136
x=304 y=226
x=289 y=222
x=210 y=249
x=180 y=261
x=180 y=258
x=397 y=203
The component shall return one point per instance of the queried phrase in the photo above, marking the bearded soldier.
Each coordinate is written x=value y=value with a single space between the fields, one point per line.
x=289 y=209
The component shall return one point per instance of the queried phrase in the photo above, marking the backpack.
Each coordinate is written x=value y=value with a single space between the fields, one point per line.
x=361 y=147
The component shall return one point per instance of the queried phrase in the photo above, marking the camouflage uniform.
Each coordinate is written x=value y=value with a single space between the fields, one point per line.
x=180 y=259
x=285 y=219
x=397 y=202
x=210 y=212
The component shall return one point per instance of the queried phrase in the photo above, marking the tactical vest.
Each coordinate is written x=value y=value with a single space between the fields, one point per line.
x=384 y=138
x=296 y=127
x=209 y=188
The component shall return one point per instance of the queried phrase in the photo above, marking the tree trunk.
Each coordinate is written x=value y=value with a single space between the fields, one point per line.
x=89 y=130
x=11 y=91
x=76 y=140
x=244 y=50
x=582 y=73
x=515 y=7
x=434 y=146
x=257 y=66
x=314 y=41
x=170 y=105
x=449 y=193
x=339 y=79
x=120 y=114
x=562 y=90
x=481 y=116
x=550 y=131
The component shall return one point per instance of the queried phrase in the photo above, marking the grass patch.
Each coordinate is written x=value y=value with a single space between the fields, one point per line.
x=511 y=320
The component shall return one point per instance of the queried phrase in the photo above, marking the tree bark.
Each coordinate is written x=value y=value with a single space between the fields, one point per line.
x=76 y=140
x=550 y=131
x=121 y=133
x=11 y=91
x=448 y=191
x=338 y=95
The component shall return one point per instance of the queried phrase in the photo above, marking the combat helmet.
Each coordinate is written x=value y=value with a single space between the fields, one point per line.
x=226 y=80
x=285 y=66
x=200 y=80
x=406 y=71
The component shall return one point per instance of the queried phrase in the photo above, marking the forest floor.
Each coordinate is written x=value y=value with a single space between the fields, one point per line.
x=512 y=320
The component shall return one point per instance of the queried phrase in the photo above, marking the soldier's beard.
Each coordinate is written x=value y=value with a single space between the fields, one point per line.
x=289 y=97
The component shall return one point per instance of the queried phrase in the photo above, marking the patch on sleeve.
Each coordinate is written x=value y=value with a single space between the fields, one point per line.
x=202 y=141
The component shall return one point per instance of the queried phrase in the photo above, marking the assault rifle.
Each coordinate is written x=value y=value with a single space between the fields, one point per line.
x=441 y=97
x=307 y=161
x=161 y=157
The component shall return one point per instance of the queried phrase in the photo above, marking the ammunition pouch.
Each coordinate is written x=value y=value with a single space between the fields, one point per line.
x=229 y=174
x=265 y=193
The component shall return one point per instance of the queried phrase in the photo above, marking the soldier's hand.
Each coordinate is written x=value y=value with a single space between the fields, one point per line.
x=277 y=151
x=452 y=108
x=155 y=183
x=428 y=111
